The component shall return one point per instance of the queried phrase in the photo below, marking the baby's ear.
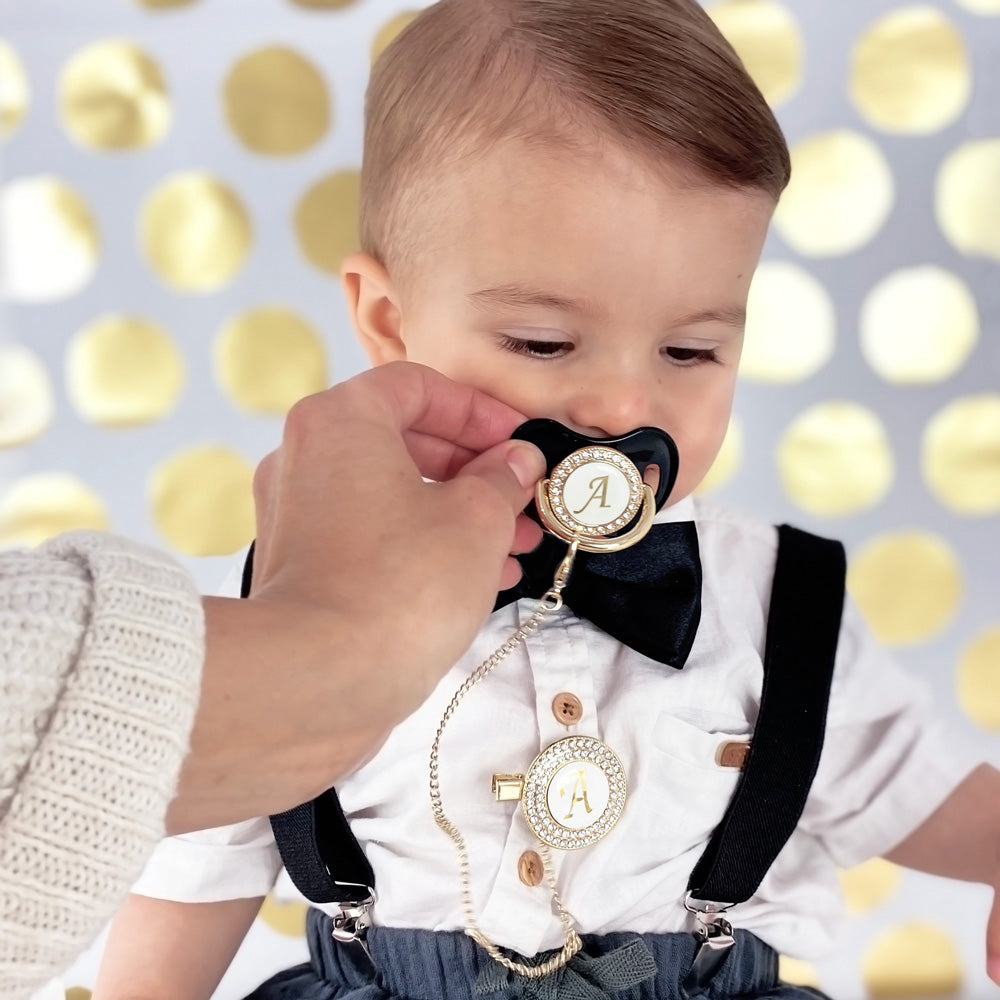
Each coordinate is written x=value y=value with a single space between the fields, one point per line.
x=372 y=303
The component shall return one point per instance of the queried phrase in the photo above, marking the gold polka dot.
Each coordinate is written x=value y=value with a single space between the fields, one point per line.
x=981 y=6
x=835 y=459
x=49 y=242
x=387 y=34
x=15 y=93
x=791 y=325
x=323 y=4
x=26 y=401
x=797 y=972
x=269 y=358
x=912 y=960
x=978 y=680
x=202 y=501
x=45 y=504
x=910 y=71
x=326 y=220
x=123 y=370
x=968 y=198
x=919 y=325
x=768 y=41
x=961 y=455
x=869 y=885
x=840 y=195
x=284 y=918
x=908 y=586
x=727 y=462
x=277 y=102
x=196 y=232
x=78 y=993
x=112 y=97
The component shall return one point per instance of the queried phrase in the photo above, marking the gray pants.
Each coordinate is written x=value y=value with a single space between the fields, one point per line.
x=429 y=965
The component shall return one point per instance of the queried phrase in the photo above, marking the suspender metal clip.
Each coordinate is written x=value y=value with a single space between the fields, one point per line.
x=351 y=924
x=714 y=937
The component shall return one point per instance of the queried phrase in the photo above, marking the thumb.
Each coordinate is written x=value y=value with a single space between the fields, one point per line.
x=511 y=468
x=993 y=940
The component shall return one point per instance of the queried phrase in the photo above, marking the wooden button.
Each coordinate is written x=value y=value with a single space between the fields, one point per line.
x=530 y=869
x=567 y=708
x=733 y=753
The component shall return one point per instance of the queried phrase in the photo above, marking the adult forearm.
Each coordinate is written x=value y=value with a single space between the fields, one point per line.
x=260 y=744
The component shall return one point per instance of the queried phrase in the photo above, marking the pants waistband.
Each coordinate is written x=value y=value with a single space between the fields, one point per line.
x=436 y=965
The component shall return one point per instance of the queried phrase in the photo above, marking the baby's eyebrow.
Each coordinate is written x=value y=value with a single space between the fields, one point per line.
x=727 y=316
x=524 y=296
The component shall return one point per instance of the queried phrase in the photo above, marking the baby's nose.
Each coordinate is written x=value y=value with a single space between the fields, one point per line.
x=614 y=405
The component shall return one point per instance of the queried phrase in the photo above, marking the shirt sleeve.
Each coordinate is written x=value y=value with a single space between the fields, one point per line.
x=888 y=759
x=101 y=649
x=228 y=862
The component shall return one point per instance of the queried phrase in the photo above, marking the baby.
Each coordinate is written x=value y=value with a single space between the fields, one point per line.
x=563 y=204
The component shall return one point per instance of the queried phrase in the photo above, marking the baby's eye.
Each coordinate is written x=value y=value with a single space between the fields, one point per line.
x=535 y=348
x=691 y=355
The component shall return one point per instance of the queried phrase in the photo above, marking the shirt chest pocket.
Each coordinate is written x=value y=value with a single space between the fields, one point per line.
x=688 y=784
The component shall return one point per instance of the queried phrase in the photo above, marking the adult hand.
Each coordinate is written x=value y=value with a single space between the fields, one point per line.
x=369 y=583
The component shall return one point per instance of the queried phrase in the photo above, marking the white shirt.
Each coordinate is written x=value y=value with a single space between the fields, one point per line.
x=886 y=765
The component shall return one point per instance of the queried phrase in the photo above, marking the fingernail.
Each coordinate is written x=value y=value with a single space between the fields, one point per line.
x=993 y=968
x=526 y=462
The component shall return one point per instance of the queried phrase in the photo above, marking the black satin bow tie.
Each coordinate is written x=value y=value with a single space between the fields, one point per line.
x=647 y=596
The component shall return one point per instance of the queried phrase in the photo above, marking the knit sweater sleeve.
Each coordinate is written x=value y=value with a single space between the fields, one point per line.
x=101 y=648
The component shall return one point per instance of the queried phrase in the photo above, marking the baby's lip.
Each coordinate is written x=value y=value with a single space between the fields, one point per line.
x=645 y=446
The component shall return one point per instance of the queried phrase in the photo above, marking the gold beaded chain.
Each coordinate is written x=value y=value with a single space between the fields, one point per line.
x=550 y=602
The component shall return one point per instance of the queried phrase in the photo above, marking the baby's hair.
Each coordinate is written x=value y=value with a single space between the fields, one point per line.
x=655 y=76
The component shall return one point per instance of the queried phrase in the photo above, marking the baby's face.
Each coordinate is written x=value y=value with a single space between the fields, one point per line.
x=583 y=288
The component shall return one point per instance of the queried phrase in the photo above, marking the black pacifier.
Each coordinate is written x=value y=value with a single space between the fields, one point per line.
x=594 y=494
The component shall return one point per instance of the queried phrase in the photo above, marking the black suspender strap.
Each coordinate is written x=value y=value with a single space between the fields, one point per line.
x=807 y=600
x=803 y=627
x=315 y=840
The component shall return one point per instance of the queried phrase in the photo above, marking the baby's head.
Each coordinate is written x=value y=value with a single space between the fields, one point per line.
x=563 y=204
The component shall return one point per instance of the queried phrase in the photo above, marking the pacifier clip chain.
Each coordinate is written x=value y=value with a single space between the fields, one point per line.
x=596 y=501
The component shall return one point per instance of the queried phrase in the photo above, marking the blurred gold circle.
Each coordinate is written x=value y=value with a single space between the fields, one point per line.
x=113 y=97
x=276 y=101
x=961 y=455
x=196 y=232
x=791 y=325
x=45 y=504
x=26 y=401
x=978 y=680
x=15 y=93
x=869 y=885
x=767 y=39
x=968 y=198
x=908 y=585
x=386 y=35
x=919 y=325
x=912 y=960
x=78 y=993
x=797 y=972
x=910 y=71
x=835 y=459
x=980 y=6
x=284 y=918
x=269 y=358
x=841 y=193
x=326 y=220
x=123 y=370
x=727 y=462
x=49 y=242
x=202 y=501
